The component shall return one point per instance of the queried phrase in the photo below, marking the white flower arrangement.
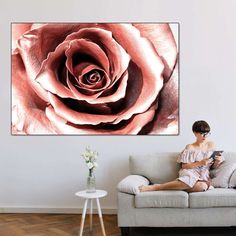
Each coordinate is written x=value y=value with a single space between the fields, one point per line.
x=90 y=158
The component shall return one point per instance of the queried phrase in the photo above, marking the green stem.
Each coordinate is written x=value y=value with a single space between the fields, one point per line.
x=90 y=172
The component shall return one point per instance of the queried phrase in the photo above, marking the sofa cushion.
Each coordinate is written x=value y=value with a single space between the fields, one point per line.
x=158 y=168
x=221 y=175
x=167 y=198
x=217 y=197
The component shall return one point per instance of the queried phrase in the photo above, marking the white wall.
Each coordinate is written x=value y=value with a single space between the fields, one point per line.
x=44 y=172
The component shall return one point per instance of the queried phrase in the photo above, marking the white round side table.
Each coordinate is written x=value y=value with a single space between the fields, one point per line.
x=89 y=197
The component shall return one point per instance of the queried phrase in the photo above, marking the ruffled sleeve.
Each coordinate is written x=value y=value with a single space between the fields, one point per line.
x=186 y=156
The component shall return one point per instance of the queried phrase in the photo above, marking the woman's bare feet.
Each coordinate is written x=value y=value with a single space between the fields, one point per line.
x=144 y=188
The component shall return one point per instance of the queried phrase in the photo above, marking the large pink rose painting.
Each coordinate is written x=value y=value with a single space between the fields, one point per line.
x=95 y=79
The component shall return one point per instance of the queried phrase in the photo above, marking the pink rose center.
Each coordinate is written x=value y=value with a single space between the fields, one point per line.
x=93 y=77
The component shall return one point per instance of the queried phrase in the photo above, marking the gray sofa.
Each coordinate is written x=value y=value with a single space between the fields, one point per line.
x=172 y=208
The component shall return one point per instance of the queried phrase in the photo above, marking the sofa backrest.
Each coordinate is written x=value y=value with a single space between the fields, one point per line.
x=230 y=156
x=162 y=167
x=158 y=167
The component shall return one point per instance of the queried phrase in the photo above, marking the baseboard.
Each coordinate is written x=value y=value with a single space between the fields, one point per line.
x=109 y=211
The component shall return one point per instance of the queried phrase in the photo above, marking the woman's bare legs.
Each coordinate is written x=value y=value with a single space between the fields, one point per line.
x=173 y=185
x=200 y=186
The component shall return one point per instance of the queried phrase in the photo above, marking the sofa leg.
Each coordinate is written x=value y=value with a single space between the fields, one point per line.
x=124 y=231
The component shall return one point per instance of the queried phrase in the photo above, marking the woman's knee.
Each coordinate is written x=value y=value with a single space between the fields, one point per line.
x=200 y=187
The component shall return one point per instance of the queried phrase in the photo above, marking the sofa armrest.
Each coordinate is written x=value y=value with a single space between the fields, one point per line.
x=232 y=181
x=131 y=183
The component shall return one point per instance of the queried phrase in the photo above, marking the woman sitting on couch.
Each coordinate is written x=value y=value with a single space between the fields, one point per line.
x=195 y=162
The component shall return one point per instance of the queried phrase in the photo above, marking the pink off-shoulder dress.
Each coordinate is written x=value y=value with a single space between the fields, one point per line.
x=191 y=176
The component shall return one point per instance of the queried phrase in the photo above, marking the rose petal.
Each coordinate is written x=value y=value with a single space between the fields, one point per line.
x=93 y=82
x=163 y=40
x=32 y=121
x=96 y=85
x=20 y=85
x=95 y=99
x=47 y=76
x=89 y=48
x=93 y=89
x=17 y=30
x=27 y=108
x=117 y=56
x=143 y=54
x=49 y=81
x=85 y=107
x=82 y=95
x=118 y=94
x=133 y=127
x=167 y=118
x=85 y=68
x=33 y=48
x=78 y=117
x=36 y=26
x=151 y=67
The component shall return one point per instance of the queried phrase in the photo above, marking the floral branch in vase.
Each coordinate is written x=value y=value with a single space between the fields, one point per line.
x=90 y=158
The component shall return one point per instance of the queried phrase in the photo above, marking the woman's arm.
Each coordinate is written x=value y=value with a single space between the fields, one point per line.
x=192 y=165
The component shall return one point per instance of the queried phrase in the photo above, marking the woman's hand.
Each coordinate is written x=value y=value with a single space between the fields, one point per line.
x=206 y=161
x=218 y=160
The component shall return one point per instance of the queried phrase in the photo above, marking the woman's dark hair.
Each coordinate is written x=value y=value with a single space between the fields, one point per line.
x=201 y=126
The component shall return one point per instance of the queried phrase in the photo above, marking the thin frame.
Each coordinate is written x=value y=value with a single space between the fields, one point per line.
x=178 y=83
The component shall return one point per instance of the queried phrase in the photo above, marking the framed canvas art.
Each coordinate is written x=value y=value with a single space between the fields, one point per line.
x=95 y=79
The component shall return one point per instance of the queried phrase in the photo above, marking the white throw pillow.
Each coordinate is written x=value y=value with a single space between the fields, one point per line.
x=232 y=182
x=222 y=174
x=131 y=183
